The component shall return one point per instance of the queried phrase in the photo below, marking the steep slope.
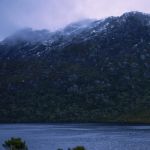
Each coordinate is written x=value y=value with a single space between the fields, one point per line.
x=91 y=71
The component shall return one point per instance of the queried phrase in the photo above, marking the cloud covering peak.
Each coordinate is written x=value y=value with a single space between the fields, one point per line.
x=54 y=14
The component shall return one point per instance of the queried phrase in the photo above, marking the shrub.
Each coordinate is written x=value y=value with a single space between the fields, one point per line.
x=15 y=144
x=79 y=148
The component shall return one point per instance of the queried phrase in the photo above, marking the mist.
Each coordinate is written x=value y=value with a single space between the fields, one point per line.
x=55 y=14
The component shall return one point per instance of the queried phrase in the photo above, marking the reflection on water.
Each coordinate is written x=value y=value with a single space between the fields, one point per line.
x=92 y=136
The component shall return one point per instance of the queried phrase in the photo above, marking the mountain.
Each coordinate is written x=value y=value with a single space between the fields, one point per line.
x=90 y=71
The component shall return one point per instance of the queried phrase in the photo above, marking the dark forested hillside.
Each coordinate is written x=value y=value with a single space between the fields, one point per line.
x=91 y=71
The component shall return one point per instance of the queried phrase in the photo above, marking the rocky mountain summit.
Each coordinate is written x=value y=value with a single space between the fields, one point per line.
x=90 y=71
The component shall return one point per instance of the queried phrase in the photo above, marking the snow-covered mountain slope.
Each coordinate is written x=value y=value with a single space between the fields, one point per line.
x=79 y=32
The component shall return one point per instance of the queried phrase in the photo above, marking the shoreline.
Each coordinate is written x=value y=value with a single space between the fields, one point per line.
x=80 y=123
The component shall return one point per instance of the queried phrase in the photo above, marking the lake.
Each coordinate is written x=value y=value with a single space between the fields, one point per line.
x=92 y=136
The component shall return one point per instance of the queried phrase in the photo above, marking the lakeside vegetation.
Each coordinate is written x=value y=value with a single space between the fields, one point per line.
x=19 y=144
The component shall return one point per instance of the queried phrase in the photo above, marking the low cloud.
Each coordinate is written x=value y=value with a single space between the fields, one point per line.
x=54 y=14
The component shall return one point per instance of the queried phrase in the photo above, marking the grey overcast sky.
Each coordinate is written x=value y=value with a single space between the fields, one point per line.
x=53 y=14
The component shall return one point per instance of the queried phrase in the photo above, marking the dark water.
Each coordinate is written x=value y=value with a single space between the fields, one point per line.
x=92 y=136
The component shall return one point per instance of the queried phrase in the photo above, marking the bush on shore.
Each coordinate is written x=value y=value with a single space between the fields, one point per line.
x=19 y=144
x=15 y=144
